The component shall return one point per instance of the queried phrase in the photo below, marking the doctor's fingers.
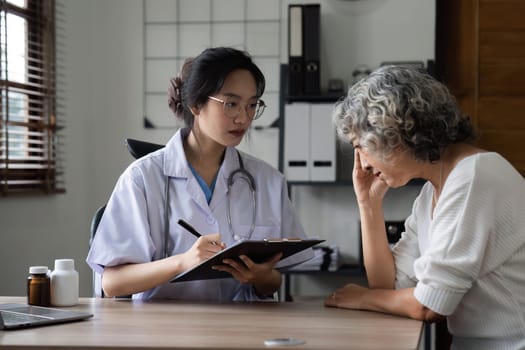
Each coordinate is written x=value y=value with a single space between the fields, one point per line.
x=214 y=238
x=268 y=263
x=274 y=259
x=243 y=275
x=203 y=249
x=237 y=265
x=211 y=242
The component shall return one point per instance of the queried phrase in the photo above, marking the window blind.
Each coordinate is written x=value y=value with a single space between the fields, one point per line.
x=30 y=128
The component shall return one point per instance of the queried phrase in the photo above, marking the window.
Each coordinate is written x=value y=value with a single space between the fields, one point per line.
x=29 y=127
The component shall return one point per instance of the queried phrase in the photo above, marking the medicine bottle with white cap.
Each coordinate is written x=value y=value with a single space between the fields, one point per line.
x=64 y=283
x=38 y=286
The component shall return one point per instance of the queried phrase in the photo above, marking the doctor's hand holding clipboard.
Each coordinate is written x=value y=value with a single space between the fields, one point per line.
x=246 y=271
x=228 y=195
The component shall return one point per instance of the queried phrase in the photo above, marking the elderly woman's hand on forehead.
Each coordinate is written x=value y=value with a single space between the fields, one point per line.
x=368 y=188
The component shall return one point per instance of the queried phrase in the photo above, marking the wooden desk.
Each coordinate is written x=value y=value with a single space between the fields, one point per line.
x=186 y=325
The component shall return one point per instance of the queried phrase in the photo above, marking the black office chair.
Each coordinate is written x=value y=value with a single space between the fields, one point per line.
x=137 y=149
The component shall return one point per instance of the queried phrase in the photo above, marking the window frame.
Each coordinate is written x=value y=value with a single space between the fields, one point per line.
x=37 y=167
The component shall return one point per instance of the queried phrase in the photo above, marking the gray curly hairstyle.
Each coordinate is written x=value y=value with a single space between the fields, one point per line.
x=401 y=106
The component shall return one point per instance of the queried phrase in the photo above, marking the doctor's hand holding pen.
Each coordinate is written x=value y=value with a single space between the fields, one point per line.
x=204 y=248
x=263 y=276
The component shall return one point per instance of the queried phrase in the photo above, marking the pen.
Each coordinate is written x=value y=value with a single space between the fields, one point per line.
x=189 y=228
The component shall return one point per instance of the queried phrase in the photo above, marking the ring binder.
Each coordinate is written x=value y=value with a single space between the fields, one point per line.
x=295 y=50
x=311 y=46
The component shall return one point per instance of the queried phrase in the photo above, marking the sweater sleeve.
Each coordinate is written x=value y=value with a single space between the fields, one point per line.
x=406 y=251
x=458 y=237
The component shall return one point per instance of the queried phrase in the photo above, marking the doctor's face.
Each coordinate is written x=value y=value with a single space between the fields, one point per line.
x=217 y=118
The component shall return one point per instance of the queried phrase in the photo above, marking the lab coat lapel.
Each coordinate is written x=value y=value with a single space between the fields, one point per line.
x=177 y=167
x=195 y=192
x=230 y=164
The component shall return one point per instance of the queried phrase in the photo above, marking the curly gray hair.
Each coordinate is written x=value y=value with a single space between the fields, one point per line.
x=401 y=106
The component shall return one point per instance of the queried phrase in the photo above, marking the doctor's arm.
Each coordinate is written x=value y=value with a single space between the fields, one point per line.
x=399 y=302
x=133 y=278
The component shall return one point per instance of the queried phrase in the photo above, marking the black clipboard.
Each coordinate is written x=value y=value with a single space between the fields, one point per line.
x=258 y=251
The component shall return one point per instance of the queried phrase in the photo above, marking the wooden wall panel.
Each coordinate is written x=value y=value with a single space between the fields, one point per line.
x=456 y=37
x=503 y=79
x=497 y=15
x=502 y=48
x=502 y=113
x=480 y=55
x=501 y=63
x=509 y=143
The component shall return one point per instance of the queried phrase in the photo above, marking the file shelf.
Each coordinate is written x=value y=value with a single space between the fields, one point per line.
x=347 y=270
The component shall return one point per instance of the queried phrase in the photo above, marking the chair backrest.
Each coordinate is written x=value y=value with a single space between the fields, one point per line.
x=137 y=149
x=95 y=221
x=97 y=282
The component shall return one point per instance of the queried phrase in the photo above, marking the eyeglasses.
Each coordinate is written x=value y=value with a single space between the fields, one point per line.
x=232 y=108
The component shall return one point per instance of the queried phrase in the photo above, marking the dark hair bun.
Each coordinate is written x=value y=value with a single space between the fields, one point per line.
x=175 y=96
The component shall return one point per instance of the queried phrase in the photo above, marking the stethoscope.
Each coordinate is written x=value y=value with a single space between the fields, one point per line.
x=240 y=173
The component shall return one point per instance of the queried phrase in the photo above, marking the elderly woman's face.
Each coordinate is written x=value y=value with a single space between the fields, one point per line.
x=395 y=171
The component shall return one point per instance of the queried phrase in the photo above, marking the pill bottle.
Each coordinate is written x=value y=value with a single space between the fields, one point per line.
x=38 y=286
x=64 y=283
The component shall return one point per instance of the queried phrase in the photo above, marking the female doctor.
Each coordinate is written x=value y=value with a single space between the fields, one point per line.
x=217 y=95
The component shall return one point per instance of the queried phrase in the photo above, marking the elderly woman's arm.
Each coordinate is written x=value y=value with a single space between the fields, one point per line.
x=398 y=302
x=377 y=256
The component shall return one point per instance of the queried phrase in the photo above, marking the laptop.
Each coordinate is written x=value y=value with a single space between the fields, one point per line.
x=16 y=316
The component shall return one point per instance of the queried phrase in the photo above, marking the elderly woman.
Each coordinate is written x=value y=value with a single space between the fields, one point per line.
x=462 y=256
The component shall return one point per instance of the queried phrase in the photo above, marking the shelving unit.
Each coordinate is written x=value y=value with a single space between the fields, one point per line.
x=346 y=270
x=284 y=98
x=351 y=271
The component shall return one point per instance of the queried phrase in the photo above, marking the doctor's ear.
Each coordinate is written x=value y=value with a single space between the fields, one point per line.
x=195 y=111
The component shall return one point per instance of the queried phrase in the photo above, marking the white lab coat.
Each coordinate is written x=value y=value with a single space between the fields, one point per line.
x=132 y=227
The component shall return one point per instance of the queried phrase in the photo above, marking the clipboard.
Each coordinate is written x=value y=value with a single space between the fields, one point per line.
x=258 y=251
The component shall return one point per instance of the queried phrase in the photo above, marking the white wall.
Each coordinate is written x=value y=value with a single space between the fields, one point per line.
x=103 y=95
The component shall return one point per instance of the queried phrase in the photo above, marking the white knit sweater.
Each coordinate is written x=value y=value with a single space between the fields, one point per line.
x=467 y=260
